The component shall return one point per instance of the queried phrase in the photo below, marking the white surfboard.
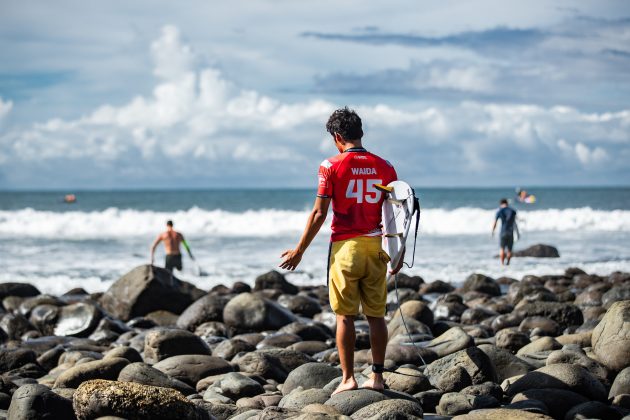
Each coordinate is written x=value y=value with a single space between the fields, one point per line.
x=398 y=214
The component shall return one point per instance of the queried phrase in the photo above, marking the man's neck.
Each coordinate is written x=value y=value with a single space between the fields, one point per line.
x=352 y=145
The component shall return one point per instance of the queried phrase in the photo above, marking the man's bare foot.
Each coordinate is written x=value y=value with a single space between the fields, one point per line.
x=375 y=382
x=347 y=385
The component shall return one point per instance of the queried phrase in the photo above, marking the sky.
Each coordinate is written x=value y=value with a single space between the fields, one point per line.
x=222 y=94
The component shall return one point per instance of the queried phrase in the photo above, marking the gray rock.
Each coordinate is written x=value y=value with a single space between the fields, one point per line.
x=538 y=251
x=210 y=330
x=274 y=280
x=97 y=369
x=235 y=385
x=308 y=331
x=250 y=312
x=389 y=410
x=545 y=325
x=429 y=400
x=616 y=294
x=143 y=374
x=416 y=309
x=214 y=397
x=502 y=414
x=611 y=337
x=561 y=376
x=309 y=347
x=300 y=398
x=271 y=363
x=43 y=318
x=542 y=344
x=310 y=375
x=558 y=401
x=77 y=320
x=593 y=410
x=15 y=325
x=145 y=289
x=486 y=388
x=621 y=384
x=483 y=284
x=162 y=343
x=452 y=404
x=35 y=402
x=407 y=380
x=18 y=289
x=505 y=363
x=14 y=358
x=476 y=362
x=133 y=401
x=565 y=314
x=453 y=340
x=511 y=339
x=437 y=286
x=578 y=357
x=229 y=348
x=125 y=352
x=190 y=368
x=208 y=308
x=349 y=402
x=454 y=379
x=300 y=305
x=279 y=339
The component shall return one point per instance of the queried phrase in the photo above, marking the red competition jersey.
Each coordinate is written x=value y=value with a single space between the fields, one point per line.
x=349 y=179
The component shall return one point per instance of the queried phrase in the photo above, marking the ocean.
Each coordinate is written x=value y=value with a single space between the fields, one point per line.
x=238 y=234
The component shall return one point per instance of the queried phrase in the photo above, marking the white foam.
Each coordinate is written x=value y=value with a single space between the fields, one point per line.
x=115 y=223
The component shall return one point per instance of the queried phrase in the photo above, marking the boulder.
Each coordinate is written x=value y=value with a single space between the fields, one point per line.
x=190 y=368
x=578 y=357
x=349 y=402
x=476 y=363
x=481 y=283
x=229 y=348
x=43 y=318
x=37 y=402
x=279 y=339
x=18 y=290
x=558 y=401
x=250 y=312
x=437 y=286
x=502 y=414
x=611 y=337
x=565 y=314
x=271 y=363
x=404 y=281
x=300 y=305
x=147 y=288
x=561 y=376
x=407 y=380
x=308 y=331
x=416 y=309
x=275 y=280
x=389 y=410
x=621 y=384
x=593 y=410
x=310 y=375
x=77 y=320
x=125 y=352
x=616 y=294
x=97 y=369
x=14 y=325
x=208 y=308
x=14 y=358
x=511 y=339
x=540 y=345
x=162 y=343
x=236 y=385
x=133 y=401
x=452 y=403
x=453 y=340
x=538 y=251
x=300 y=398
x=143 y=374
x=505 y=363
x=454 y=379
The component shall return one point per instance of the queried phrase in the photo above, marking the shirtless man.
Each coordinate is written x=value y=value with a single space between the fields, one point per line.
x=171 y=239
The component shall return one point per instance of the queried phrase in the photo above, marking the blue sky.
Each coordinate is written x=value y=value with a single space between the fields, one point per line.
x=203 y=94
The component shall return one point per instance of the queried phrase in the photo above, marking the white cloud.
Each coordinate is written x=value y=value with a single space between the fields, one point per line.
x=472 y=79
x=5 y=108
x=585 y=155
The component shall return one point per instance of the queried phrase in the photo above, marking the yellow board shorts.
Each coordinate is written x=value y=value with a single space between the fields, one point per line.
x=358 y=267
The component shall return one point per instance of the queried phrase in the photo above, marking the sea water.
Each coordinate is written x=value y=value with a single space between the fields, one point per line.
x=238 y=234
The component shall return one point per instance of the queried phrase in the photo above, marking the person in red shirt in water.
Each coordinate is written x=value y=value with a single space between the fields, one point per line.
x=358 y=264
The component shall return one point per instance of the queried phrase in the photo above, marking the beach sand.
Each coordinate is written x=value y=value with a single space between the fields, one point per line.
x=153 y=346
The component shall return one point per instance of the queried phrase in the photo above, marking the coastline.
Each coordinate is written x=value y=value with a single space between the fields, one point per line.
x=161 y=347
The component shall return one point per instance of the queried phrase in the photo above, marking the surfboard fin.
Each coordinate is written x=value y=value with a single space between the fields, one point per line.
x=384 y=188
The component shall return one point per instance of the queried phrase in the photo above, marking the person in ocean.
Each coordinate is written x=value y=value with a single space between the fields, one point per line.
x=357 y=263
x=508 y=226
x=524 y=197
x=172 y=239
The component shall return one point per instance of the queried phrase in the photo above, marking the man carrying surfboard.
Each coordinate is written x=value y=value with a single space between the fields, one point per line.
x=357 y=262
x=172 y=239
x=508 y=224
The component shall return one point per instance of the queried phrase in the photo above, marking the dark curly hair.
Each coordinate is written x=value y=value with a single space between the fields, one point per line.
x=346 y=123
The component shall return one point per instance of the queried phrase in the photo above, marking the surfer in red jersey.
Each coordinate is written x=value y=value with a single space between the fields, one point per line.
x=357 y=263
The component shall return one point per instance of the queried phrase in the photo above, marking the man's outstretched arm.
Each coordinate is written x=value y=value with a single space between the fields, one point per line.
x=292 y=257
x=155 y=244
x=494 y=226
x=187 y=247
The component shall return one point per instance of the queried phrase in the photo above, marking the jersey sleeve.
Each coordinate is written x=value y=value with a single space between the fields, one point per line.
x=496 y=216
x=324 y=186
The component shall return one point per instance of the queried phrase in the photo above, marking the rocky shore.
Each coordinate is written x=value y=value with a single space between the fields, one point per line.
x=155 y=347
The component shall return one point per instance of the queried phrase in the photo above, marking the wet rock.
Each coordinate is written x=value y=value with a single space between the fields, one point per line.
x=476 y=315
x=511 y=340
x=190 y=368
x=558 y=401
x=407 y=380
x=454 y=379
x=143 y=374
x=308 y=331
x=502 y=414
x=14 y=358
x=270 y=363
x=538 y=251
x=298 y=399
x=162 y=343
x=621 y=384
x=279 y=339
x=486 y=388
x=133 y=401
x=429 y=400
x=415 y=309
x=349 y=402
x=162 y=318
x=452 y=403
x=404 y=354
x=540 y=345
x=578 y=357
x=616 y=294
x=208 y=308
x=275 y=280
x=481 y=283
x=300 y=305
x=229 y=348
x=611 y=337
x=235 y=385
x=125 y=352
x=404 y=282
x=77 y=320
x=561 y=376
x=43 y=318
x=97 y=369
x=437 y=286
x=449 y=307
x=389 y=410
x=145 y=289
x=506 y=321
x=544 y=326
x=476 y=363
x=14 y=325
x=211 y=330
x=505 y=363
x=250 y=312
x=593 y=410
x=310 y=375
x=563 y=313
x=18 y=290
x=35 y=402
x=309 y=347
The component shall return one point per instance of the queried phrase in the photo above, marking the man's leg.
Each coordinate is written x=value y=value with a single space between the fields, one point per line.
x=346 y=337
x=502 y=255
x=378 y=342
x=509 y=257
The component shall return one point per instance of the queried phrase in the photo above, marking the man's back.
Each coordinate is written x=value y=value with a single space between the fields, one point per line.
x=350 y=179
x=508 y=217
x=171 y=239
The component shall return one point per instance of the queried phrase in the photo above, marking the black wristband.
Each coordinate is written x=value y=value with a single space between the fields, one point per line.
x=378 y=368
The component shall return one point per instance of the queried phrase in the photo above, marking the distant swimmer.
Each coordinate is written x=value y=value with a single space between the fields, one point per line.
x=524 y=197
x=70 y=198
x=508 y=227
x=172 y=239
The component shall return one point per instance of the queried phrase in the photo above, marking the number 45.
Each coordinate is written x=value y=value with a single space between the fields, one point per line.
x=355 y=190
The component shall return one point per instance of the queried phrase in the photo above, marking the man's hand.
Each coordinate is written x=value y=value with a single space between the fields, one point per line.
x=291 y=259
x=401 y=262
